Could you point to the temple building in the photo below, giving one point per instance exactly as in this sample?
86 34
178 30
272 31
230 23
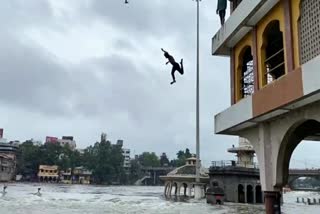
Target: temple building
180 181
239 179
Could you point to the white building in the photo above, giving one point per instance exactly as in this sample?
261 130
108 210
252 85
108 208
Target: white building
66 140
126 155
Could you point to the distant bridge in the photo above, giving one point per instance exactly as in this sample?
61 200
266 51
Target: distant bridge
153 174
295 174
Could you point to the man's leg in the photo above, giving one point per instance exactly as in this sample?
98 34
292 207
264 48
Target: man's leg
181 67
172 74
222 14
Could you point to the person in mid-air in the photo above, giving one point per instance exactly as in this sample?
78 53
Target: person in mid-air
4 191
175 65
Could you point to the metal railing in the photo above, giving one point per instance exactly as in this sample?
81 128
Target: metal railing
233 163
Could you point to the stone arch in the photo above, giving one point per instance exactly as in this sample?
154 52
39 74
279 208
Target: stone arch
241 194
250 194
245 74
295 134
292 179
272 52
258 192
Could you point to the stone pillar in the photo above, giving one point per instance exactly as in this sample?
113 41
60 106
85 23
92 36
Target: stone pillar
175 189
197 191
272 202
185 190
254 194
170 189
179 189
189 190
165 189
245 193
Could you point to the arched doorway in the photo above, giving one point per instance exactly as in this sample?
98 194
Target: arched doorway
258 195
273 52
249 194
246 74
241 197
301 130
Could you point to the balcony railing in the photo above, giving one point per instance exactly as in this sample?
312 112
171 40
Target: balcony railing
233 163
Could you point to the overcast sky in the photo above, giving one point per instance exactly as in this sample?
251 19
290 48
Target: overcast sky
82 67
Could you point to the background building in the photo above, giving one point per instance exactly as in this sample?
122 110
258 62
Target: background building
66 140
126 161
48 173
8 159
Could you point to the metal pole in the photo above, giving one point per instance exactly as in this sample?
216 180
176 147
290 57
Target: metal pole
197 108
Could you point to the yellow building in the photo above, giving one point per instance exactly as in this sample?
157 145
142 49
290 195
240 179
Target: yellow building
48 173
79 175
274 50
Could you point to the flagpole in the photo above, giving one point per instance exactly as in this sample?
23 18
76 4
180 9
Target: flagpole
197 105
198 191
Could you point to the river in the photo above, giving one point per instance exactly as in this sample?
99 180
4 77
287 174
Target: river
69 199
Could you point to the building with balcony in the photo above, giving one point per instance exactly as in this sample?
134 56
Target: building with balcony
126 160
79 175
48 173
8 161
82 175
274 48
7 168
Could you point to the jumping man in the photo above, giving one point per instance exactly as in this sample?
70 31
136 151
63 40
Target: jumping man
175 65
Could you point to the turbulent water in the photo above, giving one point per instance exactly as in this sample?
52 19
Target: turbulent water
65 199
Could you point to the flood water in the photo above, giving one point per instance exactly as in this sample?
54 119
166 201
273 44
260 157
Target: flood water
67 199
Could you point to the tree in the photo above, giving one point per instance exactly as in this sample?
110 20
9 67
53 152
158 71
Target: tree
181 158
105 161
135 171
28 159
149 159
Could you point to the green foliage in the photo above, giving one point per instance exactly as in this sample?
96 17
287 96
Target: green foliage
181 158
105 160
149 159
135 171
28 159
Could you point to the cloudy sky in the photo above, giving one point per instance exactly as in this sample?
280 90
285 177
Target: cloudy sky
82 67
